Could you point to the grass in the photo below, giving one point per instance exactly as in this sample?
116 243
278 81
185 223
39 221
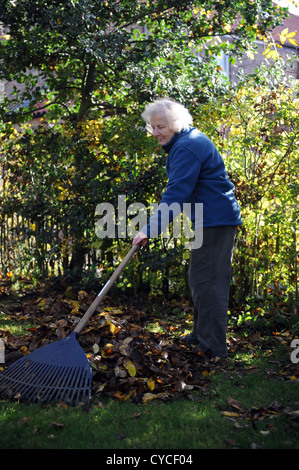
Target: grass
195 423
15 329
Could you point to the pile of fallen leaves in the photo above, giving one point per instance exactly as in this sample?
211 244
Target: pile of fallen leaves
133 354
128 361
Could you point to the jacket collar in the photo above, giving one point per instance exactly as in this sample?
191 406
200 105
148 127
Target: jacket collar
173 140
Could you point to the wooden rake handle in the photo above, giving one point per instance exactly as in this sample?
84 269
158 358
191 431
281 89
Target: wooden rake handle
84 320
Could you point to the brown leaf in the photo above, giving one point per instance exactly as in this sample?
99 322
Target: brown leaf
56 425
235 404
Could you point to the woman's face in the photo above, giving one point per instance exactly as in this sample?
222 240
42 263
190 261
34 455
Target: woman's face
161 129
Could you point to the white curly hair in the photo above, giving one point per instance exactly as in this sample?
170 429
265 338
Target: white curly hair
177 115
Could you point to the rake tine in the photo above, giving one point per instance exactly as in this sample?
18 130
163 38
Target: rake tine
60 386
60 370
46 389
19 386
75 385
85 389
54 390
45 383
74 388
81 389
66 387
13 382
38 380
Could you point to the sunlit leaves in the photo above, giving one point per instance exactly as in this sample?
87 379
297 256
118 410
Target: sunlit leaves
285 35
111 49
99 65
256 130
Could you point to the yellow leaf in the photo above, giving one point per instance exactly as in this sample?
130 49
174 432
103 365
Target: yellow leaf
272 54
250 55
24 350
230 414
76 306
292 34
112 327
294 42
151 396
42 303
148 397
130 368
114 310
101 387
206 373
151 384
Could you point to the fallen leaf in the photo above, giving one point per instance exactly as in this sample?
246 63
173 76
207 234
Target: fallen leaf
148 397
76 306
25 350
230 414
130 368
56 425
152 396
151 384
235 404
120 372
101 387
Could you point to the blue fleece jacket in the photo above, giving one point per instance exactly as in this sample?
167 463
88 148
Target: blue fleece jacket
197 174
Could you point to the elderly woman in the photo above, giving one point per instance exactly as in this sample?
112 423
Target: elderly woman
196 174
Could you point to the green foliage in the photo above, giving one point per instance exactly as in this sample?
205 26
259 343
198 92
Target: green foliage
120 54
256 128
92 65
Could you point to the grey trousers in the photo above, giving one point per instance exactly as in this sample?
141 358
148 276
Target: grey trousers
209 281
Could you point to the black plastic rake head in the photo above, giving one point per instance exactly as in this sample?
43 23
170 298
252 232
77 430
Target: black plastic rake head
59 371
56 372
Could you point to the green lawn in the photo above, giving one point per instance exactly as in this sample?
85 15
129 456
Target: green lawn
249 402
237 411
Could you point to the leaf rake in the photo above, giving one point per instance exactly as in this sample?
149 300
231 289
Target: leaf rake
59 371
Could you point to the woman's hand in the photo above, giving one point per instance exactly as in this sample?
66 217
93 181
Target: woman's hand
140 238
